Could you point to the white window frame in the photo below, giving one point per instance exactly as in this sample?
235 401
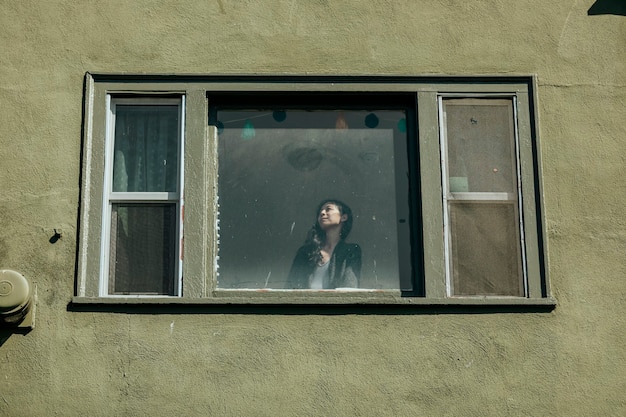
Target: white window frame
479 196
197 282
110 197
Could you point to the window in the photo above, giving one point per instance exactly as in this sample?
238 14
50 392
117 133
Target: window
280 157
142 199
310 190
481 194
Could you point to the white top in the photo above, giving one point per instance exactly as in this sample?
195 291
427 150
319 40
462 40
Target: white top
319 279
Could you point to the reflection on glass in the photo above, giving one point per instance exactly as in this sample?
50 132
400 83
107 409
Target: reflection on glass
270 184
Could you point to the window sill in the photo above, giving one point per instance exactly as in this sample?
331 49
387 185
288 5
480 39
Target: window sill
317 298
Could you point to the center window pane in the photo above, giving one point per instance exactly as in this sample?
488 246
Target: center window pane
276 169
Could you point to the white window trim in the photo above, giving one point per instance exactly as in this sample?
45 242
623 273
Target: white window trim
109 197
492 197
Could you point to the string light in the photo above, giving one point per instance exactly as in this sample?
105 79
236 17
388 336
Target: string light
341 123
248 131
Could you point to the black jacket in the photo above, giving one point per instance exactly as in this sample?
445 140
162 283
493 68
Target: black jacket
344 268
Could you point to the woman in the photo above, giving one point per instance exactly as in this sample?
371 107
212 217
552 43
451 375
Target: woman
326 261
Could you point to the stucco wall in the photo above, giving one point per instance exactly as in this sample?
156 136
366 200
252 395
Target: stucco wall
567 362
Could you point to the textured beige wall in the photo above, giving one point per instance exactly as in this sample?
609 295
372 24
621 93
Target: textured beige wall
568 362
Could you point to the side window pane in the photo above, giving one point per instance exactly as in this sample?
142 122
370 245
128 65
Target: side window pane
143 243
143 198
277 166
146 148
482 198
480 146
485 249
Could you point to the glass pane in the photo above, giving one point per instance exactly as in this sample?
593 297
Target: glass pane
146 148
143 249
481 146
485 249
277 166
485 254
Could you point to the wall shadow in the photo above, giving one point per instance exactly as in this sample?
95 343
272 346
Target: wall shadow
4 336
616 7
7 332
306 309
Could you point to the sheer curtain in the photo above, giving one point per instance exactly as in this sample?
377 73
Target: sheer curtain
146 149
143 234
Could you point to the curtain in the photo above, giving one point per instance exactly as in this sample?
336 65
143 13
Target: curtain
143 235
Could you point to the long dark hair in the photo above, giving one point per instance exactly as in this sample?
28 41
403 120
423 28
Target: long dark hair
316 238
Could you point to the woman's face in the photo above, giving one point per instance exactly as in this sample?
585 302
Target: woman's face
330 216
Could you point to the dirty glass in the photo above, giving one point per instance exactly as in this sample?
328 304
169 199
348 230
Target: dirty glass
482 198
277 164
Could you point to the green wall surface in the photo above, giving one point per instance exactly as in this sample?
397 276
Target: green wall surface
569 361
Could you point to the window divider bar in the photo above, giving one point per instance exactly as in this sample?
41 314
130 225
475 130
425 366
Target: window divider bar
431 192
479 196
143 197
